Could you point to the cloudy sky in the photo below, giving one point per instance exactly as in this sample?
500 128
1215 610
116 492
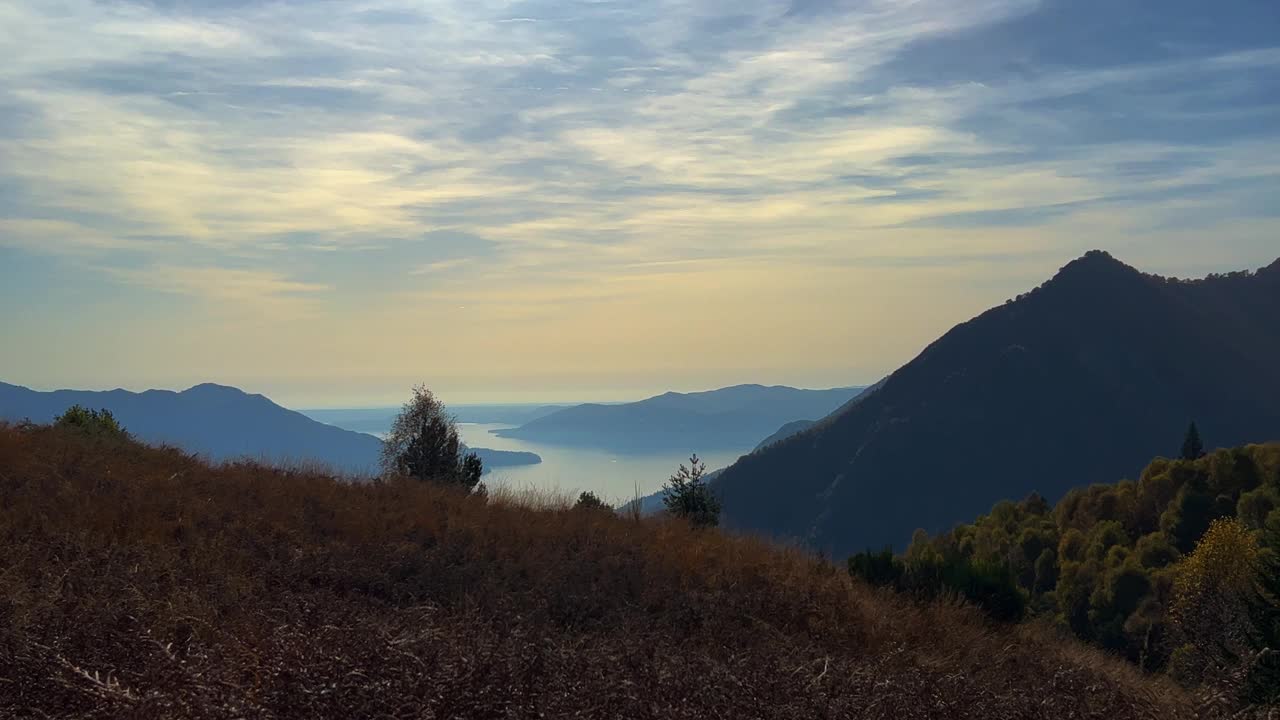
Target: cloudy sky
328 201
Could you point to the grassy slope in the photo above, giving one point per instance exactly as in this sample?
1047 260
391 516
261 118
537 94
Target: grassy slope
136 582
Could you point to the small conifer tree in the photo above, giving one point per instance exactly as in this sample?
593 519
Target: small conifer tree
590 501
1192 446
687 495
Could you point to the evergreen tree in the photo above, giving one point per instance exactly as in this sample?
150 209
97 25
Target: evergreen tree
590 501
423 444
1188 516
880 569
687 495
1192 447
471 470
93 422
1262 684
432 451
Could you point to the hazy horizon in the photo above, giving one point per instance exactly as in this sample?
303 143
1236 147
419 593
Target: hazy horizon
393 399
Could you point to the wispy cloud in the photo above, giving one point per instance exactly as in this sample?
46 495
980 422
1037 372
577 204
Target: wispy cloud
253 292
441 266
561 151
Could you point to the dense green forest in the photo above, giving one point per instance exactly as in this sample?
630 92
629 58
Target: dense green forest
1162 571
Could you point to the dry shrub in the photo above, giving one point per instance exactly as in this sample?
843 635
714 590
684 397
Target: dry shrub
141 583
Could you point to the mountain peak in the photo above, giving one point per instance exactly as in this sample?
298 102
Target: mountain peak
1096 261
1103 358
214 388
1091 271
213 392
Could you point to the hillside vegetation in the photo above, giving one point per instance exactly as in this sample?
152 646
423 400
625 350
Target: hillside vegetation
141 583
1083 380
1160 571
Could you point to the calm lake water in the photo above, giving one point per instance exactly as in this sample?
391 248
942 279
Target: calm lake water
612 476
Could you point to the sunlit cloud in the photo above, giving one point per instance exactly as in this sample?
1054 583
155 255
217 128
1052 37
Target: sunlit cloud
579 168
258 293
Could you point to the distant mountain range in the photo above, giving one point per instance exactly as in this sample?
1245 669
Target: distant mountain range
222 423
728 417
376 421
1082 380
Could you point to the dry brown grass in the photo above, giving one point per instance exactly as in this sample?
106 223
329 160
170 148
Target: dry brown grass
139 583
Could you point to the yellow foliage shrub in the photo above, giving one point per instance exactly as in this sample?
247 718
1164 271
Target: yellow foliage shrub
1221 566
1210 591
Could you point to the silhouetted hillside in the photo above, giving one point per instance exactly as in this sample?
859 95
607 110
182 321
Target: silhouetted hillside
786 431
1080 381
139 583
222 423
733 416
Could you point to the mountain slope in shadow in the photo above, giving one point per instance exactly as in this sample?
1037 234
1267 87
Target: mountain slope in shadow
1082 380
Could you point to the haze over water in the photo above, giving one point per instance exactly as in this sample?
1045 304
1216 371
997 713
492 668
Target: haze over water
611 475
614 475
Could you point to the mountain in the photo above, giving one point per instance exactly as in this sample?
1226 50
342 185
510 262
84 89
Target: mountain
378 420
653 502
222 423
502 414
1082 380
792 428
738 415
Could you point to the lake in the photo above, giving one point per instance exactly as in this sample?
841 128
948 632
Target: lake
612 476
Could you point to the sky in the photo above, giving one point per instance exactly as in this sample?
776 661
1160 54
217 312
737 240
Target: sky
552 200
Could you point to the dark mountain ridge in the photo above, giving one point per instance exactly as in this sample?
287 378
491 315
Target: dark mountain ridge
1083 379
792 428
